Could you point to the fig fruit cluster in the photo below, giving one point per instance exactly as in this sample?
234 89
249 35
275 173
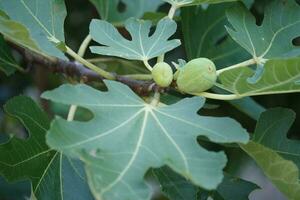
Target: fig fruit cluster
197 76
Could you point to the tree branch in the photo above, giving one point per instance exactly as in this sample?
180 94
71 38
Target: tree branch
75 69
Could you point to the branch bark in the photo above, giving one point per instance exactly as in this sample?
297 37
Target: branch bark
75 69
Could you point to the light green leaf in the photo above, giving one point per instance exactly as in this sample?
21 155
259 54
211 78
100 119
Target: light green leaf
271 131
141 46
17 33
43 19
108 9
7 62
273 39
178 188
280 76
283 173
181 3
49 171
127 136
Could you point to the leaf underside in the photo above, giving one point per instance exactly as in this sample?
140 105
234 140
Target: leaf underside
126 137
141 46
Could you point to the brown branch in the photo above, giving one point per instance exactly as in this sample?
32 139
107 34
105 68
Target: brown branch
75 69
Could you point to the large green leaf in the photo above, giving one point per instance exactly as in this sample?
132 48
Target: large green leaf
272 129
280 76
128 136
283 173
270 147
176 187
181 3
141 46
108 9
208 37
43 18
273 39
53 175
7 62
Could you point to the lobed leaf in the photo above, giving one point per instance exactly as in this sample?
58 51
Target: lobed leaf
126 137
283 173
272 39
271 131
53 175
274 152
141 46
280 76
44 20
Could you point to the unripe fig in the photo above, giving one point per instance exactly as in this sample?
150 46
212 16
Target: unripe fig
197 76
162 74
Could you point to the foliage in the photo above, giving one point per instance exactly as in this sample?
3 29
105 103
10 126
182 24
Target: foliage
132 126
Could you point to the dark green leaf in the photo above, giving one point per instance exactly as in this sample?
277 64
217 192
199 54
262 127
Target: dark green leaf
273 39
274 153
7 62
271 131
53 176
109 9
178 188
205 35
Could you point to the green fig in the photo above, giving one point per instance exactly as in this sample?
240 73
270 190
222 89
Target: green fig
162 74
196 76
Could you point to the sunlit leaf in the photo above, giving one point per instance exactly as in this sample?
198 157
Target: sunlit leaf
44 20
279 76
127 136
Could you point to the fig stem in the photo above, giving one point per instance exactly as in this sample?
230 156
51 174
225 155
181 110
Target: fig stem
84 45
148 66
226 97
156 99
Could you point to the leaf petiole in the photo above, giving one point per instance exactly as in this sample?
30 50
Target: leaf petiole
91 66
225 97
84 45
